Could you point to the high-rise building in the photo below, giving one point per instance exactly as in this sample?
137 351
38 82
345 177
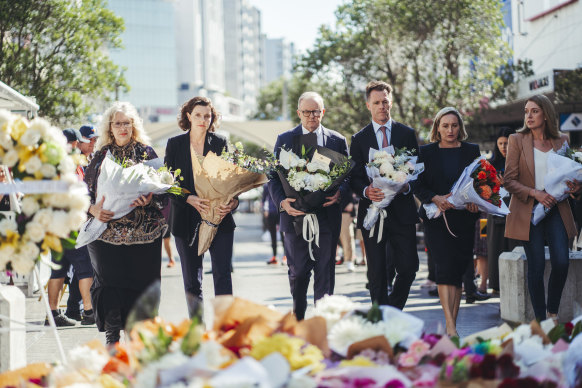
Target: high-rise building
148 56
243 45
279 59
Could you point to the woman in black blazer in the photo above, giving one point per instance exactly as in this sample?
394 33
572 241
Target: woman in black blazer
199 118
444 161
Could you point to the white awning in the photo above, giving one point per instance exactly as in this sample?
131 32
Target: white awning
13 101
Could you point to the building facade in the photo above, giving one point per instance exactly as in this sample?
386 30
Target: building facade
279 59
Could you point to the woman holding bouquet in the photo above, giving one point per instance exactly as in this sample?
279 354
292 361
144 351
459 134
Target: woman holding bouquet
198 119
525 169
444 159
127 257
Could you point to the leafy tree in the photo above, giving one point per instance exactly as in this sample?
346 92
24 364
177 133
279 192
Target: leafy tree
568 86
56 51
434 54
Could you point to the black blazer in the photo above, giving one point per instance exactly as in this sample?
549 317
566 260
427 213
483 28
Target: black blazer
433 180
184 218
402 209
329 217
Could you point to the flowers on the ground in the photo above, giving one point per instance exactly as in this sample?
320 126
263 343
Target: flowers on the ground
486 182
55 202
295 350
333 307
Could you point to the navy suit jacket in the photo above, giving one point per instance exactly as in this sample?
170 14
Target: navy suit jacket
402 209
184 218
329 217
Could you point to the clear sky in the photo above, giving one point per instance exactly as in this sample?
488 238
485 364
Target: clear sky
296 20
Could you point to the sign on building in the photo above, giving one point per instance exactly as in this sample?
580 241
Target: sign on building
570 122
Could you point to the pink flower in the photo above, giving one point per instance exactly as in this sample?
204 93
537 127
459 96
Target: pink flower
408 359
419 348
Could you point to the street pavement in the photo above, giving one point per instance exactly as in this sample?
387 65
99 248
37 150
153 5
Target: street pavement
253 279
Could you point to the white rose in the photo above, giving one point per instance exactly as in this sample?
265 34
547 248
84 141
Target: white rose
67 166
57 224
312 167
21 264
7 225
400 159
399 177
79 201
32 165
40 125
35 231
167 178
29 205
76 219
301 163
6 253
380 155
56 200
319 181
48 170
5 118
6 141
386 169
404 168
29 251
10 158
43 217
30 138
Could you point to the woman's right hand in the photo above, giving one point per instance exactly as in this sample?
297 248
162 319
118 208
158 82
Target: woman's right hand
545 199
442 203
99 213
202 205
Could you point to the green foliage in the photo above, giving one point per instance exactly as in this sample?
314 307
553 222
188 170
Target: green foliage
433 56
56 51
568 86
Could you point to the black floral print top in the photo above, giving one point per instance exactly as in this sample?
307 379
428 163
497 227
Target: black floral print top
142 225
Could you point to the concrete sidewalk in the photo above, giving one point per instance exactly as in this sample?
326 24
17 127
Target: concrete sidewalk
253 279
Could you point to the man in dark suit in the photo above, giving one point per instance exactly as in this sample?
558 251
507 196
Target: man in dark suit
310 110
399 231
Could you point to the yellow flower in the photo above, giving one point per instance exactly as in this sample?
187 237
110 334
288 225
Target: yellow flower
12 238
52 242
18 128
358 361
293 349
107 381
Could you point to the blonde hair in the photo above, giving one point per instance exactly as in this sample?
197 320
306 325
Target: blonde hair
435 136
138 132
551 119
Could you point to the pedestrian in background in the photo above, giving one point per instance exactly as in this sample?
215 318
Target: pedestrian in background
271 221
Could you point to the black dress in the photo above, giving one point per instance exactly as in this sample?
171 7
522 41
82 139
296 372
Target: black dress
452 255
127 257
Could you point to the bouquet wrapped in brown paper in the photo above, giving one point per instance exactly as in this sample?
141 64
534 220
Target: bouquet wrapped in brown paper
219 181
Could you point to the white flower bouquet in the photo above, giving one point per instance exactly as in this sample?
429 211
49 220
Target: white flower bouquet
390 170
120 184
559 170
55 202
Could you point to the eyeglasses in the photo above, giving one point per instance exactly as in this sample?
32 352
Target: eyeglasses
119 124
308 113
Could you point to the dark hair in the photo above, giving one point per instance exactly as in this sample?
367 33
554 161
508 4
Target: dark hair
189 106
377 85
498 160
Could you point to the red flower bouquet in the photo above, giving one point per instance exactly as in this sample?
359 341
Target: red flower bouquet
486 182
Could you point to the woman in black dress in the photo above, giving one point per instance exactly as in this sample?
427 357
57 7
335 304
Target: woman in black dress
199 119
127 257
444 161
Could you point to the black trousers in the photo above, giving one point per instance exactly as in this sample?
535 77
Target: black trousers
301 265
221 258
398 246
271 222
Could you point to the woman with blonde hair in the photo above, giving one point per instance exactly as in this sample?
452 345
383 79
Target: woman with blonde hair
127 257
444 159
525 169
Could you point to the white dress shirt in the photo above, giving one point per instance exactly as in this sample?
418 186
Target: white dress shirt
318 132
380 135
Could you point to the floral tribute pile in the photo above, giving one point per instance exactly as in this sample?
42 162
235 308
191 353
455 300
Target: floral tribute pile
253 346
55 201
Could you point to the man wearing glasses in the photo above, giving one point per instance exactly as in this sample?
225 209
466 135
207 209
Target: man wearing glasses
398 243
310 110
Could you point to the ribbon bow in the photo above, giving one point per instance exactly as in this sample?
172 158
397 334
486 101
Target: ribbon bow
311 231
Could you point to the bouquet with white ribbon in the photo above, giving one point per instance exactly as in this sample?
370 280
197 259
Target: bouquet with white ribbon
477 184
389 170
559 170
121 186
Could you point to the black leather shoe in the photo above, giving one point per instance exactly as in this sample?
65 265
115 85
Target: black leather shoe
476 296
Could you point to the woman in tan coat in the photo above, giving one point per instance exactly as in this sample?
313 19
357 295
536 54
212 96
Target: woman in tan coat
525 168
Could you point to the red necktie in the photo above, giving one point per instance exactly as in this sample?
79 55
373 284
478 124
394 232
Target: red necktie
385 137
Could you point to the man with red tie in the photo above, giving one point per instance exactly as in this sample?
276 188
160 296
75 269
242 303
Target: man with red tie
399 230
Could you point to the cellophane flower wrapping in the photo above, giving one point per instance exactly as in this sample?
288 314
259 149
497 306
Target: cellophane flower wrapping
121 186
559 170
309 179
390 170
465 192
219 180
